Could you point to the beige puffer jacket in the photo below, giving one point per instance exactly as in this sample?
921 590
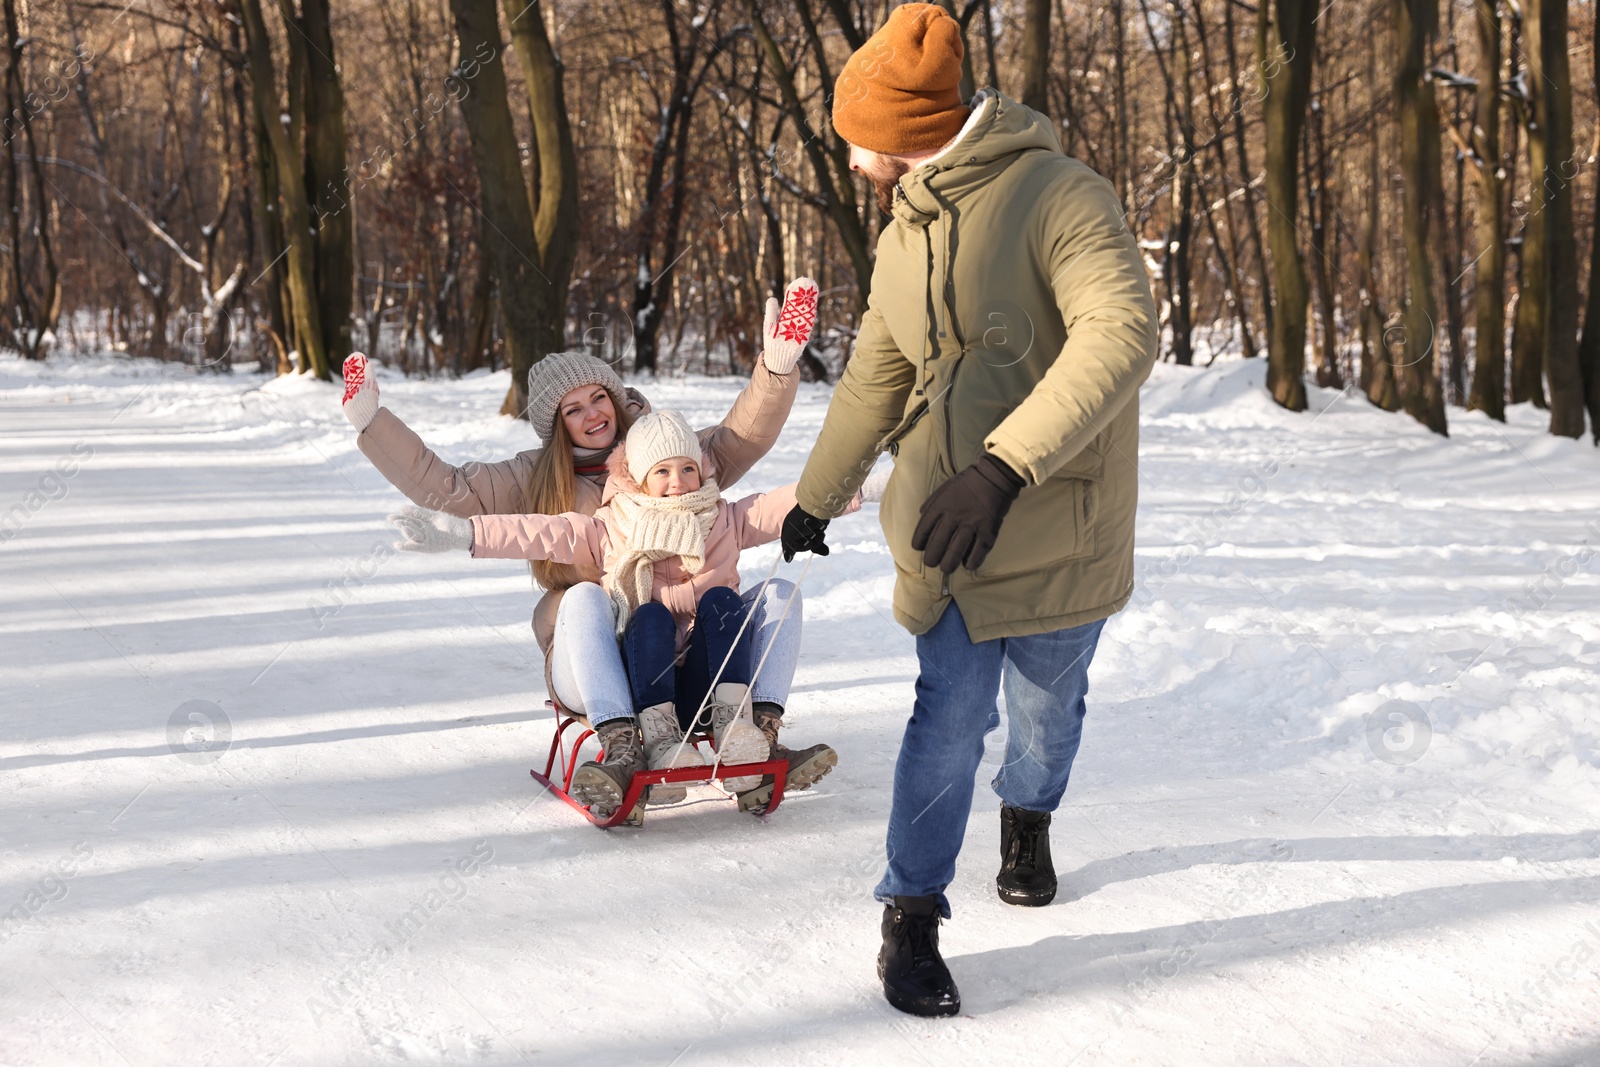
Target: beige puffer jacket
734 445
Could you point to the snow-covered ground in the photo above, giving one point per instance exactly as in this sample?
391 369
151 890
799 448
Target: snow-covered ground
1336 804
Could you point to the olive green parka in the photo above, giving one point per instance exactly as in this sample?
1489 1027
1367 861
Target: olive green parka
1010 312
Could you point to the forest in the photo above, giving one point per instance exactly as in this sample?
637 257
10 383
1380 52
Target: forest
1395 197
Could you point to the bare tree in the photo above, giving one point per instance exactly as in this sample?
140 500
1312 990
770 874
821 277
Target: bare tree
1548 18
30 290
1533 277
534 232
282 122
1285 50
1420 395
1036 55
1489 331
1589 349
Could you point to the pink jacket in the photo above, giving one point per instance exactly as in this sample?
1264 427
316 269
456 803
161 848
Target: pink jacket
594 542
743 436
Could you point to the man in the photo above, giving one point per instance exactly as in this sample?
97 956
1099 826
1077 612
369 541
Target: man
999 360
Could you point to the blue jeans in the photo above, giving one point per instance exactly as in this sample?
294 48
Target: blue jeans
650 651
1045 677
586 669
775 638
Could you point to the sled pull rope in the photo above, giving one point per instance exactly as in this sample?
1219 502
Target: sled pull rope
694 723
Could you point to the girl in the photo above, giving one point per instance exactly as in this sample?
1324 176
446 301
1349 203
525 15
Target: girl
580 409
668 546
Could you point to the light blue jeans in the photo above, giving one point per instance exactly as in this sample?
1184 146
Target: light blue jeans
1045 677
586 660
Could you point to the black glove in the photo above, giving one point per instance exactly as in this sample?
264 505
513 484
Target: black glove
802 532
961 519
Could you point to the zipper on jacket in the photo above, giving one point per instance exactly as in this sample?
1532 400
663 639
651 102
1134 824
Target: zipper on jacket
892 442
949 427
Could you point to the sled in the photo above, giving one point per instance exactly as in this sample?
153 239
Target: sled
633 801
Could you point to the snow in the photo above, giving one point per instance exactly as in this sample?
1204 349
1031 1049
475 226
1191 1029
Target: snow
1336 802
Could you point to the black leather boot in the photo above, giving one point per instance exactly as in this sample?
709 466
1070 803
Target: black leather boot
915 979
1026 876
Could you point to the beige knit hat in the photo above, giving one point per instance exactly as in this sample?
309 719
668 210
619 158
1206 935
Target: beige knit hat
657 436
558 374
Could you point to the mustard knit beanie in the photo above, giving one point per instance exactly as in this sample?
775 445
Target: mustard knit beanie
657 436
899 94
558 374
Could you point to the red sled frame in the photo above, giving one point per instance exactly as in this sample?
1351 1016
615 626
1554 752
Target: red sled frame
777 768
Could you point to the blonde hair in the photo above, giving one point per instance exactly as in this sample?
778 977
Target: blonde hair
552 488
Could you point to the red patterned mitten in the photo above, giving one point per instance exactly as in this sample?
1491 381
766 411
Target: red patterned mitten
360 392
787 329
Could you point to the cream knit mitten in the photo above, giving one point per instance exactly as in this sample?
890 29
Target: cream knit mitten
431 531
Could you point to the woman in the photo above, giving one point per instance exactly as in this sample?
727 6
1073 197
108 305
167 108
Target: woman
580 410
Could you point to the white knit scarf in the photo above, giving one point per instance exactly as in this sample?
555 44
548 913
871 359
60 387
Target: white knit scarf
655 528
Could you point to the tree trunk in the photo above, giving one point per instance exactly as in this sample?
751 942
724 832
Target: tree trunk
555 194
1180 233
1450 234
269 217
1226 236
1036 55
1285 47
532 298
1246 178
30 298
1319 193
1377 367
1533 288
1561 249
1489 287
1589 350
327 187
304 307
1418 109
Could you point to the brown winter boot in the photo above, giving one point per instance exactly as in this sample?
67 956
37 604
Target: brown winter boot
602 786
807 766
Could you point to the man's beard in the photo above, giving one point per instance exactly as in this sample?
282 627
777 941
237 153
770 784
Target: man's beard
885 176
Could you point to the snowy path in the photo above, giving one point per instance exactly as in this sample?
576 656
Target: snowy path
1244 880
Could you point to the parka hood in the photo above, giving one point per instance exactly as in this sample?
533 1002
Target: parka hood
997 132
